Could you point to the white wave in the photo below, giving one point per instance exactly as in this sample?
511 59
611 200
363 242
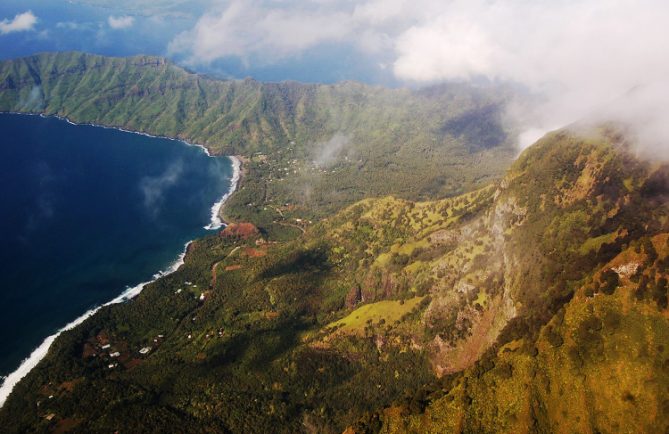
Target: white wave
216 221
10 381
40 352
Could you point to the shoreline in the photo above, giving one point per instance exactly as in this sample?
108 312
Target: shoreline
30 362
107 127
8 382
216 219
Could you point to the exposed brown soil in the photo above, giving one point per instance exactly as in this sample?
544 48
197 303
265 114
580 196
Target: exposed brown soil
66 425
232 267
132 363
69 386
103 338
240 230
88 351
271 315
254 253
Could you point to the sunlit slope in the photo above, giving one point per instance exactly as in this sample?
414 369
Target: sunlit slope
584 255
535 304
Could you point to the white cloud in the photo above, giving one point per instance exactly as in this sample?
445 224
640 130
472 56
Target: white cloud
248 28
154 188
581 56
578 54
21 23
451 48
326 153
119 23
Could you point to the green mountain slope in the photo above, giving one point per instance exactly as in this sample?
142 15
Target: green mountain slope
585 348
600 365
536 304
315 147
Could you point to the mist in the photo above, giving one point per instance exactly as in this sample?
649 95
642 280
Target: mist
327 153
580 60
153 188
577 58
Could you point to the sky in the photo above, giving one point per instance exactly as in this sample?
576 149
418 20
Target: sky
581 57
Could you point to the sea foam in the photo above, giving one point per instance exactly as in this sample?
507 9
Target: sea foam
40 352
216 222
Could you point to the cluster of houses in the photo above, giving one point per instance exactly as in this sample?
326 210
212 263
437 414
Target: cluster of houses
116 354
188 283
220 333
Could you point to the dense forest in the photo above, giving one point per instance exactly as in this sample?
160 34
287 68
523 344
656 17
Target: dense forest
532 302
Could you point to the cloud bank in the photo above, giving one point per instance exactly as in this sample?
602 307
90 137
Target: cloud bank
247 28
120 23
580 56
21 23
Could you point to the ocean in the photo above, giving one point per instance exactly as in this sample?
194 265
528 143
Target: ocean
88 213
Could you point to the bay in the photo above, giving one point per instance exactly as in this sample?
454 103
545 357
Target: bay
86 212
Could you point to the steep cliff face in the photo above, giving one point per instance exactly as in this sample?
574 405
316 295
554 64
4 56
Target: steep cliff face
507 257
153 95
599 365
579 223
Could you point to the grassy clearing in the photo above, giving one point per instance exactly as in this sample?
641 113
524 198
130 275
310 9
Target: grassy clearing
593 244
388 310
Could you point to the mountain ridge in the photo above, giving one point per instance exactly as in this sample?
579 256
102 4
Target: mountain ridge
299 140
534 301
452 315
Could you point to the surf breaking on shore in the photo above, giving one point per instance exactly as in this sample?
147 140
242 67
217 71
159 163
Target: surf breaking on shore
40 352
216 221
28 364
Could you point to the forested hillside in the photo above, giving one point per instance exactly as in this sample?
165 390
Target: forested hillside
314 147
535 304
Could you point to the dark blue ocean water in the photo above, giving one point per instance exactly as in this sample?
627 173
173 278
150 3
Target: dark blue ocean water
86 211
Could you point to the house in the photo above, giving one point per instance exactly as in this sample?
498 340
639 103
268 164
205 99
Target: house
145 350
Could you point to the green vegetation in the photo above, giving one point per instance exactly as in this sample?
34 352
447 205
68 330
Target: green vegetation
598 366
381 312
537 303
310 149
